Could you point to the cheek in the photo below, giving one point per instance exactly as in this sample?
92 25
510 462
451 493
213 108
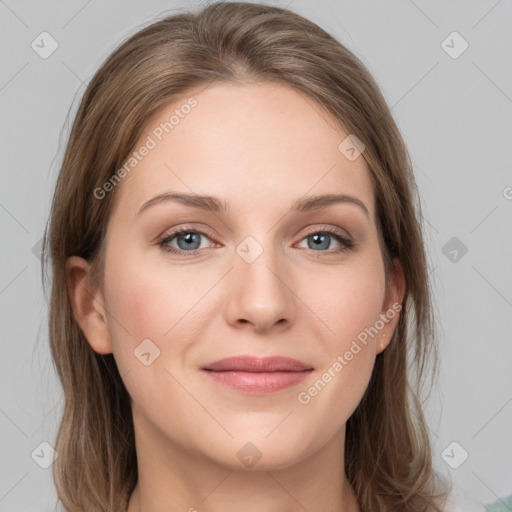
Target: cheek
349 303
338 386
151 311
138 309
349 300
164 305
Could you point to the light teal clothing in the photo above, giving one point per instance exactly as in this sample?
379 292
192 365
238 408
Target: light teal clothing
502 505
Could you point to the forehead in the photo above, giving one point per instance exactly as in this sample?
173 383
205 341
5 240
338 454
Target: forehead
256 146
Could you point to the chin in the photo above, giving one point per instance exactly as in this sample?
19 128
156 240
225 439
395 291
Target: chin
261 452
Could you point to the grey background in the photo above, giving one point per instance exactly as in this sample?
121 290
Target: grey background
456 117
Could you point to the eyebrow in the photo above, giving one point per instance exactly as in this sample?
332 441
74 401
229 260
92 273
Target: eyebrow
211 203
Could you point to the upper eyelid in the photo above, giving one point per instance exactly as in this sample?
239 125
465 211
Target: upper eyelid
175 232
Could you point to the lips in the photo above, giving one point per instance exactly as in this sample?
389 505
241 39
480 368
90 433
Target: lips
258 365
258 375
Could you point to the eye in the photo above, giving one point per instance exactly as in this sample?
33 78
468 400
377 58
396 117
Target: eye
188 241
323 240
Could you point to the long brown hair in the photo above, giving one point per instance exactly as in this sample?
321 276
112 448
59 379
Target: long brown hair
388 457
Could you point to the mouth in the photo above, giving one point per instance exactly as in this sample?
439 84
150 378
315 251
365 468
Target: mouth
258 375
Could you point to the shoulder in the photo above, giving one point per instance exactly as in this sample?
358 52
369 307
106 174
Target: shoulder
459 502
459 507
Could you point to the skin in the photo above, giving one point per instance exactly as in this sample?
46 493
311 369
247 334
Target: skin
259 148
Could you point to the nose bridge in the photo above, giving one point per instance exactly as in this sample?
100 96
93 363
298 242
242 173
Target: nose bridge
259 290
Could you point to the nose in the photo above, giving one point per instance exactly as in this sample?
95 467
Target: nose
260 294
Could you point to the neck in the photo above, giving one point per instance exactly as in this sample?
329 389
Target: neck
174 478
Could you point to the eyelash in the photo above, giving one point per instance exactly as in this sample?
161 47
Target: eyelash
346 243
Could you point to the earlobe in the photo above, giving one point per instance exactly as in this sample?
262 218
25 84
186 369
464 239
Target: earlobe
395 292
88 305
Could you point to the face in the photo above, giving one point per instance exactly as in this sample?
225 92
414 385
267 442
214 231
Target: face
260 270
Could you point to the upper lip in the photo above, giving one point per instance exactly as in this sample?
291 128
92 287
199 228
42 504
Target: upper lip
258 364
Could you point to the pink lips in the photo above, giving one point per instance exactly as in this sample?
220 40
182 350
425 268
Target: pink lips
258 375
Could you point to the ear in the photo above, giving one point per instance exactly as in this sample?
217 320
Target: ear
88 305
395 292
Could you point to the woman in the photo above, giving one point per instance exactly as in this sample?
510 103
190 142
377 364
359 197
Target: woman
239 279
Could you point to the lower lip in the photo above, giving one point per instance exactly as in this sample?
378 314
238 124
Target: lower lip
258 382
